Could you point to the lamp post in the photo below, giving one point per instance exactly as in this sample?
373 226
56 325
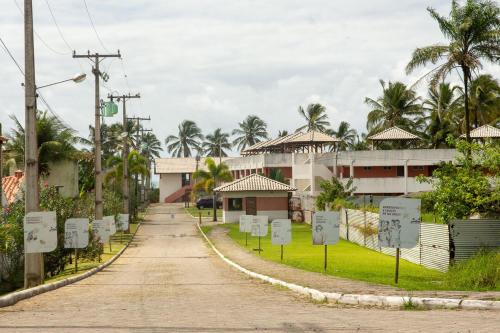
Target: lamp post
77 78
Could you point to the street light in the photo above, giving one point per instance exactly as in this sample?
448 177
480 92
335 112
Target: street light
77 78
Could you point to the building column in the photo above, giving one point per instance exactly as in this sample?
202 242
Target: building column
406 176
335 166
351 169
311 161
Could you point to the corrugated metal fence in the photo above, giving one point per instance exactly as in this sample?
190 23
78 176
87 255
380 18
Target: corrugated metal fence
468 236
432 251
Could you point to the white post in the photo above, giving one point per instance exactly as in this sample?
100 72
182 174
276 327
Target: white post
351 169
311 161
406 176
292 181
335 165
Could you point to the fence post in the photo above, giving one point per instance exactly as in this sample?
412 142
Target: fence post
347 222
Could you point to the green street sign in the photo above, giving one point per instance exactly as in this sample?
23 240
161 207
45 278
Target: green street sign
110 109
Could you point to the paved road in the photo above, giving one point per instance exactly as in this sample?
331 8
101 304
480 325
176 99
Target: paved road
170 281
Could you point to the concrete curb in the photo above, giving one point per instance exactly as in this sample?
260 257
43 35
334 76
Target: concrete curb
365 300
14 297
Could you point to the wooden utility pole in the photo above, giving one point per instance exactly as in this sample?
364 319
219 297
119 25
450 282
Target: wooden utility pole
96 58
33 262
125 151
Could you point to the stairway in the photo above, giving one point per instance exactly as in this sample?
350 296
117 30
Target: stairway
178 195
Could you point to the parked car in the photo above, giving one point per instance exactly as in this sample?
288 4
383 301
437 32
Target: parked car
207 203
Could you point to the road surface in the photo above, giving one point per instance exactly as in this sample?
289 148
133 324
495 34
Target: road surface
168 280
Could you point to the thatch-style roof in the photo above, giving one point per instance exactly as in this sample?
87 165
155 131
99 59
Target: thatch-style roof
255 182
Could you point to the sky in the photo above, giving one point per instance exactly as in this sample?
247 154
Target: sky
215 62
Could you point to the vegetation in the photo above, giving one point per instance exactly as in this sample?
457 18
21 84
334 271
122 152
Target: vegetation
315 117
332 191
480 272
150 148
187 139
215 143
205 212
251 131
345 133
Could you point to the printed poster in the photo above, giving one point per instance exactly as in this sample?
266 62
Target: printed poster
40 232
325 228
399 225
76 233
281 232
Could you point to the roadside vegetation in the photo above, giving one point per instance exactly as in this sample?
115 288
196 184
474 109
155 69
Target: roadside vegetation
205 212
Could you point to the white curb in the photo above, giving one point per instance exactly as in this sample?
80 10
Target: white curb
365 300
14 297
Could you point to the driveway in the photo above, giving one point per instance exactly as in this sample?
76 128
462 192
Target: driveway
168 280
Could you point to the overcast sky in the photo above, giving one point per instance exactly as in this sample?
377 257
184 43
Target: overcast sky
215 62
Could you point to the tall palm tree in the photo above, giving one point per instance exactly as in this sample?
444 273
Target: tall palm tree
215 144
250 131
345 133
55 141
398 106
485 100
360 142
472 31
282 133
137 165
211 178
315 117
189 137
150 148
443 113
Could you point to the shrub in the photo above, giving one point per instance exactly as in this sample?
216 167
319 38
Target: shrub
480 272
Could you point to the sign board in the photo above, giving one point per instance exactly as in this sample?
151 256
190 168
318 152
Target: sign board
399 225
281 232
246 223
123 221
325 228
112 224
258 227
76 233
40 232
101 230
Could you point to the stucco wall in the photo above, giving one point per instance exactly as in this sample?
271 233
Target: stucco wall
65 174
169 183
272 204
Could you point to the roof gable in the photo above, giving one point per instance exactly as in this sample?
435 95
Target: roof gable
485 131
255 182
394 133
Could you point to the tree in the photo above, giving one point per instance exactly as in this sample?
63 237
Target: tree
277 175
472 31
360 143
345 133
215 143
150 148
398 106
188 138
333 191
282 133
485 100
442 109
137 165
208 179
55 141
315 117
251 131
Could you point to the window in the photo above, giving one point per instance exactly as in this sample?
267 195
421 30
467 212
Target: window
418 167
235 204
400 171
367 168
387 167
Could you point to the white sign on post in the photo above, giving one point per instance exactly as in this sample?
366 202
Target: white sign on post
246 223
258 227
399 225
112 224
325 228
101 230
281 232
40 232
124 221
76 233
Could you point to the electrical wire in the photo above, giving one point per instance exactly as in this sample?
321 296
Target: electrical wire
57 26
93 26
11 56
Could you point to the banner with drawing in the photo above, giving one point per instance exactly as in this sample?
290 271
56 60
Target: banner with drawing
76 233
399 225
40 232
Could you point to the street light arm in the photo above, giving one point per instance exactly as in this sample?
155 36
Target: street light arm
53 84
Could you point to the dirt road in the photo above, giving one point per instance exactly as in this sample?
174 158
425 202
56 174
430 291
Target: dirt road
168 280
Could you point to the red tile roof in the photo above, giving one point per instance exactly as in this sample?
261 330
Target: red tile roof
11 186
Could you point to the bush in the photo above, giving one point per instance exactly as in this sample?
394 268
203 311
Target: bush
480 272
11 247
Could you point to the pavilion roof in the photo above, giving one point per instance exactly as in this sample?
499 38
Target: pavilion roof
255 182
485 131
394 133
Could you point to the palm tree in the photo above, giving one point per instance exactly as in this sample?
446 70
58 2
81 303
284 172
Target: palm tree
443 117
315 116
56 142
210 178
484 94
150 148
344 133
215 144
360 143
472 31
137 165
252 130
398 106
282 133
188 138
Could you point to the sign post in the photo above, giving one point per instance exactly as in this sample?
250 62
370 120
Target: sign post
325 231
259 228
245 226
40 232
101 231
281 233
399 225
76 236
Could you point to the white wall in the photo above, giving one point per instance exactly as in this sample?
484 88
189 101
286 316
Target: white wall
65 174
169 183
388 185
234 216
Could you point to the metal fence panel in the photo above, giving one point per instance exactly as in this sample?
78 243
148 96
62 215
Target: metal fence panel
471 235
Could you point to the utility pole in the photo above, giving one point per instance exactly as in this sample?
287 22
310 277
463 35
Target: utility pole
125 152
137 142
33 262
96 58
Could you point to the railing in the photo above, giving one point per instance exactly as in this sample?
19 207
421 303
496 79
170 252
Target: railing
178 194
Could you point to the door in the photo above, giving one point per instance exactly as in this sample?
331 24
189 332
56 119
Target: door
251 206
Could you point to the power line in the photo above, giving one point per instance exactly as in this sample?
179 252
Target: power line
11 56
57 26
93 26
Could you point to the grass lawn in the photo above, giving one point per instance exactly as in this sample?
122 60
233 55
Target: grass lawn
345 259
118 242
205 212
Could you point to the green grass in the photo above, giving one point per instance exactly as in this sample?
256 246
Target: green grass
118 242
481 271
205 212
345 259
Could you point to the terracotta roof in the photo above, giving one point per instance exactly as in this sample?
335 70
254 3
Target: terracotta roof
11 186
181 164
394 133
3 139
314 137
485 131
255 182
